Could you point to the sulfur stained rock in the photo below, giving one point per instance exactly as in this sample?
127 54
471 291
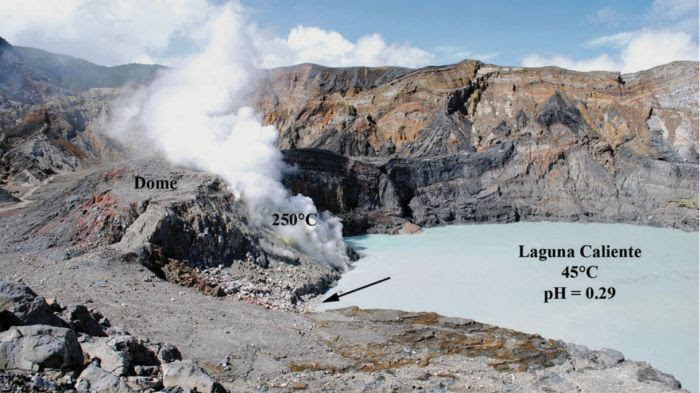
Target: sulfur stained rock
408 228
595 146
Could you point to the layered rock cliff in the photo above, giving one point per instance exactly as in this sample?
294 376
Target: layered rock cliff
472 142
52 109
468 142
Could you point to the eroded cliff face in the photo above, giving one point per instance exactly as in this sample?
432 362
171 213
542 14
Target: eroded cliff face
470 106
467 142
53 113
428 145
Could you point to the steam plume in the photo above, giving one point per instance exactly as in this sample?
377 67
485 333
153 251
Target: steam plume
194 115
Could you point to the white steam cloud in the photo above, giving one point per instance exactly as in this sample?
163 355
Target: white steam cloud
194 115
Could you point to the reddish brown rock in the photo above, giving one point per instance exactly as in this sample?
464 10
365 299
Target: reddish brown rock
408 228
472 142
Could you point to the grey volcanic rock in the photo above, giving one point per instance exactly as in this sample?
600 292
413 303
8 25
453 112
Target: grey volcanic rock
40 140
84 321
120 354
109 358
50 106
168 353
39 347
595 146
11 381
41 358
6 198
19 305
94 379
495 185
377 196
189 377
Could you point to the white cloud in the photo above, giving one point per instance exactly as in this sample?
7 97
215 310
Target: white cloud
652 47
113 32
104 31
599 63
618 40
635 51
306 44
670 35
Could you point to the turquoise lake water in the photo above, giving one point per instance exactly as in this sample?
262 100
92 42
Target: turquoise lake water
473 271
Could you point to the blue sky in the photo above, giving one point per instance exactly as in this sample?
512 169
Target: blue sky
503 32
583 35
450 28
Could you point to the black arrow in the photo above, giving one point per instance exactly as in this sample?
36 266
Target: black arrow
335 297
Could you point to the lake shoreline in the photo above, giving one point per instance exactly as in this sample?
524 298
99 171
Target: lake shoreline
656 244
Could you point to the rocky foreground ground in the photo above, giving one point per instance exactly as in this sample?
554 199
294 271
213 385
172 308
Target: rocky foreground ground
236 346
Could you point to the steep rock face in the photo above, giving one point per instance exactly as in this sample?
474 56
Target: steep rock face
56 136
51 106
491 186
379 196
582 146
593 146
471 106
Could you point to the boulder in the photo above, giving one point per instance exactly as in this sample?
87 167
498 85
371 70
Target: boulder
39 347
409 228
141 383
119 354
110 359
189 376
85 321
168 353
19 305
96 380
